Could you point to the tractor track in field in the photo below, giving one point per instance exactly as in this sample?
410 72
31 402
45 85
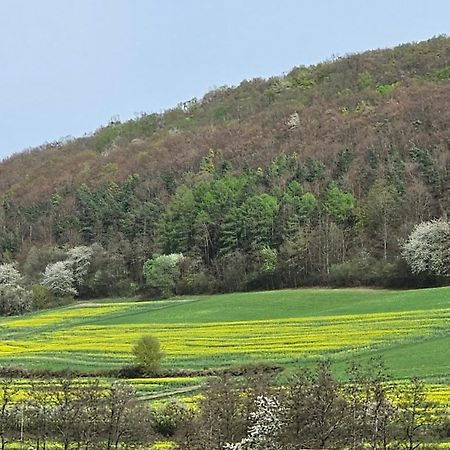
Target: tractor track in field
158 395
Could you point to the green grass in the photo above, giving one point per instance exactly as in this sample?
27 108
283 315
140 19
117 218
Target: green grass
410 329
291 304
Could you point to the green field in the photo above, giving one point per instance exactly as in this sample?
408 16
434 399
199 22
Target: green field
411 329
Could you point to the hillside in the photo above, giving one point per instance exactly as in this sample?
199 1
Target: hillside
311 177
409 329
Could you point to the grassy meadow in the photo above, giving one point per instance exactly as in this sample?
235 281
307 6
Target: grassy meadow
410 329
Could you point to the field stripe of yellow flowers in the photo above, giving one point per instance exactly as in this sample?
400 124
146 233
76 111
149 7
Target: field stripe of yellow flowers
73 336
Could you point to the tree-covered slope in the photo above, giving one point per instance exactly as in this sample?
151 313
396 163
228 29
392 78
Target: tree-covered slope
270 183
405 87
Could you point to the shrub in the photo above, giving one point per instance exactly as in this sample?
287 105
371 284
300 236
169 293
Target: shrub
168 418
42 297
163 272
148 354
369 271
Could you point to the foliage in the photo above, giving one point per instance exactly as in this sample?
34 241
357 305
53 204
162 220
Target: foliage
380 214
269 260
107 274
14 298
443 73
253 166
36 260
59 279
163 272
42 298
170 417
386 89
367 271
79 259
313 409
413 413
311 406
267 422
428 248
258 215
365 80
70 413
9 275
338 204
148 354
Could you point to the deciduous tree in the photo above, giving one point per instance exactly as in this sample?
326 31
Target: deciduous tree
427 248
148 355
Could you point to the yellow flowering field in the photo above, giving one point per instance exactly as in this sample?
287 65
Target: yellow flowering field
410 328
53 317
161 388
163 445
438 394
164 384
213 342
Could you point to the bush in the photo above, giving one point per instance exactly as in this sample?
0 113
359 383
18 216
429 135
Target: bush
369 271
42 297
106 275
148 354
234 268
168 418
163 272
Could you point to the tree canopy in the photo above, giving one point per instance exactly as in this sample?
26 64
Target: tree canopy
427 248
148 355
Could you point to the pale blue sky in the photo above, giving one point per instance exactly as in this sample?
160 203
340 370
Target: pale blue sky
68 66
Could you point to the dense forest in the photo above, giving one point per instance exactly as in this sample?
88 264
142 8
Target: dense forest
313 177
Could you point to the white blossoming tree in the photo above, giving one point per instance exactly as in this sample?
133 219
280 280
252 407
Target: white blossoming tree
58 278
79 259
14 298
9 275
427 249
267 423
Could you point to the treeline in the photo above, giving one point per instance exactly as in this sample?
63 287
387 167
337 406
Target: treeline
69 413
288 225
315 177
312 409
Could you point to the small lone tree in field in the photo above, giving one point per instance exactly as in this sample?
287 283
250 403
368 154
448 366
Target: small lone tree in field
148 354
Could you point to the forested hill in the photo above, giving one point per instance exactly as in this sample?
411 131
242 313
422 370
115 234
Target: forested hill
300 178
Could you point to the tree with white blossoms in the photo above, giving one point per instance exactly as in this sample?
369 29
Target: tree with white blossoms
79 259
9 275
427 249
14 298
58 278
267 423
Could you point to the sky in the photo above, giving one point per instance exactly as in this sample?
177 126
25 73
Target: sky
68 66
